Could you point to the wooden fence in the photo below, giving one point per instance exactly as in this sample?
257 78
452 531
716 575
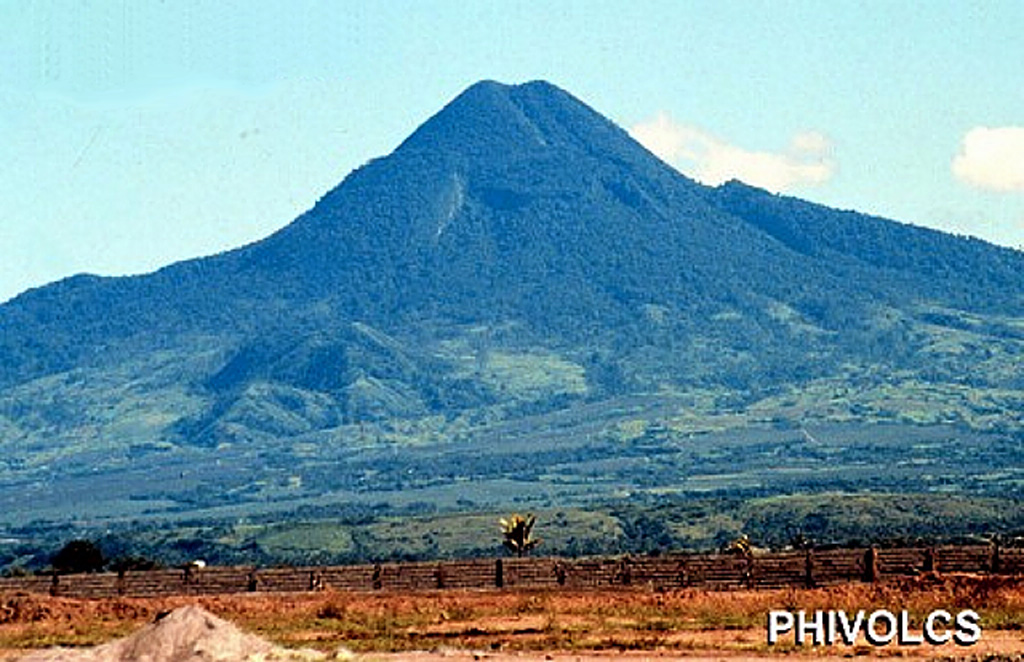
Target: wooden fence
672 571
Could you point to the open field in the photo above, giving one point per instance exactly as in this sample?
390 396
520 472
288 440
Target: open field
660 492
530 624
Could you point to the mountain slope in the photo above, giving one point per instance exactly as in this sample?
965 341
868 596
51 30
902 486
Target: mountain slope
907 261
515 202
517 255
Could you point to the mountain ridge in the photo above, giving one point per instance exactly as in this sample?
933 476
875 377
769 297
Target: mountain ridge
392 221
517 258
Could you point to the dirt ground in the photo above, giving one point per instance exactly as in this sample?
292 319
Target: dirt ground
502 626
730 647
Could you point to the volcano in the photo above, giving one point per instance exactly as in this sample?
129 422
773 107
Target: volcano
518 257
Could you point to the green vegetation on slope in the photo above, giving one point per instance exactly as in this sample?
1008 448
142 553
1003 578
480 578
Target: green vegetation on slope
520 306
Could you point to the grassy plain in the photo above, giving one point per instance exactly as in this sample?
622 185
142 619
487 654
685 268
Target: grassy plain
687 623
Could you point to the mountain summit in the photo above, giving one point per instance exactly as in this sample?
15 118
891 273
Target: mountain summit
491 121
499 192
517 254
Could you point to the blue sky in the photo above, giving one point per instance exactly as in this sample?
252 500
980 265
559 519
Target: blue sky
135 134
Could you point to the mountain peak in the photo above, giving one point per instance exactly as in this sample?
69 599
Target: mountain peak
492 119
485 118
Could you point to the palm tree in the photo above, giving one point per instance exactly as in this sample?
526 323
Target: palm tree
516 530
740 546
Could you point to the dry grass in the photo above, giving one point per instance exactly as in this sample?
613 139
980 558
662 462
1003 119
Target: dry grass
688 620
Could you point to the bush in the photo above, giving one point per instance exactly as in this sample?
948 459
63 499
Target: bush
78 556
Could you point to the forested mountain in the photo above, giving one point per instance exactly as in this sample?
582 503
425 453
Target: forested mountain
519 255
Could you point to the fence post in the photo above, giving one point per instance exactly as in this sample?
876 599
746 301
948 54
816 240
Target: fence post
871 565
683 573
560 572
930 564
625 574
499 574
187 579
809 569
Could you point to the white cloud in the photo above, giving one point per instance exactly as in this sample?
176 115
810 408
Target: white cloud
807 161
992 158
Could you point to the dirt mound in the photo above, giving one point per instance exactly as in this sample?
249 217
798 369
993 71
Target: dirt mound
187 634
